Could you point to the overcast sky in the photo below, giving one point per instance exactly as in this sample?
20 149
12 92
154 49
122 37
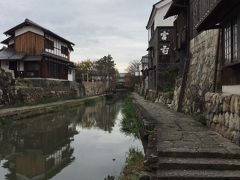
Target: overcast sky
97 27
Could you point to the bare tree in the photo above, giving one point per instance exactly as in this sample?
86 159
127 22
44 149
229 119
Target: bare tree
134 67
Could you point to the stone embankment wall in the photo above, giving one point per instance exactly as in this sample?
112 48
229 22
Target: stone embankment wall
7 92
203 50
159 97
176 94
165 98
29 90
223 114
94 88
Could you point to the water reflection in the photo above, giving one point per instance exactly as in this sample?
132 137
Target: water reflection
41 147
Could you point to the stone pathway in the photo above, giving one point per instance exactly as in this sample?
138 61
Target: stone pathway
188 150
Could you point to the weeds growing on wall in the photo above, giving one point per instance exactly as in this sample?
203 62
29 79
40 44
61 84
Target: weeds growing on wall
130 124
134 165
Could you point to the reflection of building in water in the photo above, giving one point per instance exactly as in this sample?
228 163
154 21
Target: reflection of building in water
38 149
100 115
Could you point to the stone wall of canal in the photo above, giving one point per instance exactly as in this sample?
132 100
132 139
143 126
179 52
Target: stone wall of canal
223 114
14 91
200 79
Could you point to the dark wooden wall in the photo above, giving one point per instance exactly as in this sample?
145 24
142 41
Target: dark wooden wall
29 43
51 69
198 11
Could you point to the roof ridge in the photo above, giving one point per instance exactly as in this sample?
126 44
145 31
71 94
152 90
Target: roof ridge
30 22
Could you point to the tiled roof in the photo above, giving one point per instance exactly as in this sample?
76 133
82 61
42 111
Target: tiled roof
10 54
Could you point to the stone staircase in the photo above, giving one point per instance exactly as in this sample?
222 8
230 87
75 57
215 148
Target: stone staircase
179 148
197 166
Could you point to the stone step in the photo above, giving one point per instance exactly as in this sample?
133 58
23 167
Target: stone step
197 175
198 163
198 154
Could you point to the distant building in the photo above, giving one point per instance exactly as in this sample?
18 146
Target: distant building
35 52
121 82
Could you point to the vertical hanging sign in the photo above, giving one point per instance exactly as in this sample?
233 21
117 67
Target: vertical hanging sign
165 34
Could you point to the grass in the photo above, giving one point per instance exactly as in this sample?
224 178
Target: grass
130 124
134 165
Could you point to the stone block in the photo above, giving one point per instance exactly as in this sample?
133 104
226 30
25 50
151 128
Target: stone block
232 103
221 119
215 118
227 116
231 122
237 122
226 102
236 104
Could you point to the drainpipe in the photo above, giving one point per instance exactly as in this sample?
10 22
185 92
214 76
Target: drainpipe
157 62
215 88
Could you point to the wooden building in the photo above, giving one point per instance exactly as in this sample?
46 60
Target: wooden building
194 17
225 15
160 54
195 49
35 52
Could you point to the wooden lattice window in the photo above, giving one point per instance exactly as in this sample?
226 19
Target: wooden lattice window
231 51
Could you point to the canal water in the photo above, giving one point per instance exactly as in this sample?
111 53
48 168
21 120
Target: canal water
85 143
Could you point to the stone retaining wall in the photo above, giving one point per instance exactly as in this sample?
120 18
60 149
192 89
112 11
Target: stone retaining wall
7 93
165 98
94 88
176 94
223 114
151 95
29 90
200 79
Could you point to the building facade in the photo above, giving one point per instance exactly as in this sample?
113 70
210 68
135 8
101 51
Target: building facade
33 51
160 54
198 52
226 17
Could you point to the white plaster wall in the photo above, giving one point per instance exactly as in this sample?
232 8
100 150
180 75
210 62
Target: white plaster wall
57 47
158 16
71 76
160 13
27 29
233 89
11 42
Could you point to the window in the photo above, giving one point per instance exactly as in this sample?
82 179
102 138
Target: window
64 50
49 44
231 42
235 40
227 40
